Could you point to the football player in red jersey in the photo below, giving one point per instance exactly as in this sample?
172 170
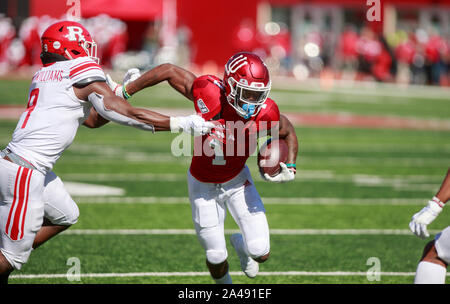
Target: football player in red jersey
218 177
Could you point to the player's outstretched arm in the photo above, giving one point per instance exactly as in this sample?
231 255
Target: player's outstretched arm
179 78
444 192
430 212
116 109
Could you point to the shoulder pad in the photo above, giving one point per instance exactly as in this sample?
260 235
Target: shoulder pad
207 91
269 111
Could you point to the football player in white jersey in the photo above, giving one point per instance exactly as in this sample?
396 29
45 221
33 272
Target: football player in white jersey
432 267
69 90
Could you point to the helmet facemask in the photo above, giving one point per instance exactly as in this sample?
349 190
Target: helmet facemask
90 47
91 50
247 99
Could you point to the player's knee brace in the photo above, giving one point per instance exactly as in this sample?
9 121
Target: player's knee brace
258 247
216 256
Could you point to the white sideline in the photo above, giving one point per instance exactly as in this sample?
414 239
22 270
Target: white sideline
204 273
405 232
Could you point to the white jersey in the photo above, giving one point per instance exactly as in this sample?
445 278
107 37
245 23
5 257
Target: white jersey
54 113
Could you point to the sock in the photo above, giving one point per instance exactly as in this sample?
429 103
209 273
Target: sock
226 279
241 247
430 273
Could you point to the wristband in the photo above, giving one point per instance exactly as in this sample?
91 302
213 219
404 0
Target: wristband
293 167
438 201
125 93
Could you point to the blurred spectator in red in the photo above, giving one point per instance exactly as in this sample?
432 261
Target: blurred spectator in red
383 64
7 34
31 40
436 51
347 51
375 57
405 52
369 48
30 33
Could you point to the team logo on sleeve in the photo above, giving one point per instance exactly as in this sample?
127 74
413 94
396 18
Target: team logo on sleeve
202 106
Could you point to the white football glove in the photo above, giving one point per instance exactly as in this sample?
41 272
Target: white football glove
192 124
285 175
424 217
118 89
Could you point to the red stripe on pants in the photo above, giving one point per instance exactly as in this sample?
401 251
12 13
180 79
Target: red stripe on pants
26 206
20 193
11 210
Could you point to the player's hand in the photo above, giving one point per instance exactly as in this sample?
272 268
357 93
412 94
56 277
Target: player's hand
192 124
119 89
424 217
286 174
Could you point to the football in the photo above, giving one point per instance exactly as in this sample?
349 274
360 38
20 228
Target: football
271 153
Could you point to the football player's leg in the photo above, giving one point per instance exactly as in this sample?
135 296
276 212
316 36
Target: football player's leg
21 214
211 236
208 217
248 211
5 269
60 211
246 207
432 267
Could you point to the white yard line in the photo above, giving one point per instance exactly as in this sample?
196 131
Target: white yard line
204 273
404 232
266 200
303 174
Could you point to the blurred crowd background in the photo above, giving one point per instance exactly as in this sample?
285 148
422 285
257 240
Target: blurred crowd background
325 39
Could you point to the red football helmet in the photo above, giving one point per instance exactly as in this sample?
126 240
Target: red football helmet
247 83
69 39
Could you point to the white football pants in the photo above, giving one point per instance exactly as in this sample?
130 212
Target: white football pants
26 196
21 210
209 202
442 244
59 207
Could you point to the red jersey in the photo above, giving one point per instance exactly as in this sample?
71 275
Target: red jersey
236 143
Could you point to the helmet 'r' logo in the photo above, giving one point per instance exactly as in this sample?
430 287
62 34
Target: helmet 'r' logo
75 31
236 64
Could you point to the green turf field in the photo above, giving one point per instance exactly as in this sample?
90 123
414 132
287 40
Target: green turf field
355 192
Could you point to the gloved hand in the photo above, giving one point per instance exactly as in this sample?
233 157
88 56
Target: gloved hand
424 217
119 89
192 124
286 174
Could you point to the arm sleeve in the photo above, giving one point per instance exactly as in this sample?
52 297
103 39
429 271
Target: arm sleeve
97 101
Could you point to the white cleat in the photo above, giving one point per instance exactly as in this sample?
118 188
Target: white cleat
249 266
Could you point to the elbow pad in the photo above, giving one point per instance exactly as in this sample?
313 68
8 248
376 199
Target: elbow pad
97 101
